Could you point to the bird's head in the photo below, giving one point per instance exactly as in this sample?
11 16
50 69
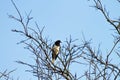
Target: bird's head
58 42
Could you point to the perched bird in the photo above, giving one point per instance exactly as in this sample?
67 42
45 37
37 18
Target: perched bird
55 50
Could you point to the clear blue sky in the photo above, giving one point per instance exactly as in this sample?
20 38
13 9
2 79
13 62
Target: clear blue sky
61 19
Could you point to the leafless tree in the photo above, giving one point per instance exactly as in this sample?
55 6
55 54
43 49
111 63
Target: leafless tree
6 75
99 67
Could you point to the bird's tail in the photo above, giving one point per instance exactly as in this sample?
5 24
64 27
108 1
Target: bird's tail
53 60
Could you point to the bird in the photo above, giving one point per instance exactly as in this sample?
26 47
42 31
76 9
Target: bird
55 50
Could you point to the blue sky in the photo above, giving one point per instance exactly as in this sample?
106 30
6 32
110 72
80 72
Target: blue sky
61 19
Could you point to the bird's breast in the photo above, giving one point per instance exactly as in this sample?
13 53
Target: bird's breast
56 49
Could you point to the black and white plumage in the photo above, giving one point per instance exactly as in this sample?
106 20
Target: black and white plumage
55 50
